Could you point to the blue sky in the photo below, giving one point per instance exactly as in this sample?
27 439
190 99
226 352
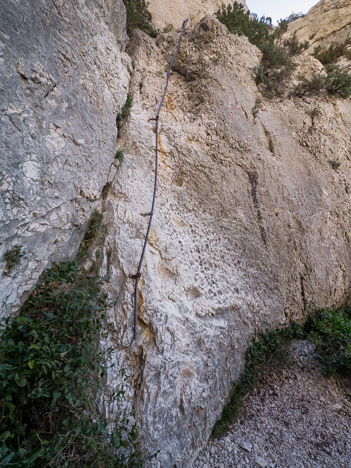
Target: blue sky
277 9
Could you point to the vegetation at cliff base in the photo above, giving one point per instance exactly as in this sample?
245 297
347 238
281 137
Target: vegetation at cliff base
329 329
53 392
266 351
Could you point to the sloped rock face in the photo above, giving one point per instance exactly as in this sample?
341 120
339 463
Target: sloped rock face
326 23
63 79
251 226
171 14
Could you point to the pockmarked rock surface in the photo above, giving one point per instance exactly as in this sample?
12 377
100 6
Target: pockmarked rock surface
171 14
328 22
251 226
63 78
297 417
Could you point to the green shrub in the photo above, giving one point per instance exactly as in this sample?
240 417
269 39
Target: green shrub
138 16
238 21
335 83
293 46
12 258
119 155
52 376
334 164
334 51
276 65
338 82
274 56
121 116
313 86
267 351
94 230
331 331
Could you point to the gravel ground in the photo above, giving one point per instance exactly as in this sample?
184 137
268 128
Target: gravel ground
296 418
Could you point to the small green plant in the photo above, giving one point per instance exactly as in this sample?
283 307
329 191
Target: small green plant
313 86
293 46
338 82
121 116
93 231
13 258
138 16
119 156
315 112
334 51
267 351
334 164
335 82
330 330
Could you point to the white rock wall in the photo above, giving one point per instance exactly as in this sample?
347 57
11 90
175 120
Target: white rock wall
252 225
171 14
63 78
328 22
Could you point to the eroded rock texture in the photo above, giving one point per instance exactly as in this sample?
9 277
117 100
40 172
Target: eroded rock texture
251 226
326 23
63 78
171 14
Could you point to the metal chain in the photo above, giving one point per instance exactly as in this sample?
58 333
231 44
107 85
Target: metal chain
137 276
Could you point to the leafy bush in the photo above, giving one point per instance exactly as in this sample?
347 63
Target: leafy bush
12 258
274 56
138 16
119 156
338 82
238 21
335 83
265 352
276 65
293 46
121 116
313 86
331 331
334 51
52 376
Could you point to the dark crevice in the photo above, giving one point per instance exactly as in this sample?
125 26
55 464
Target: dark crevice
303 292
269 140
253 178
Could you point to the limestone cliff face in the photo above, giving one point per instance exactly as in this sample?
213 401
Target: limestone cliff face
252 220
251 226
63 78
171 14
326 23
